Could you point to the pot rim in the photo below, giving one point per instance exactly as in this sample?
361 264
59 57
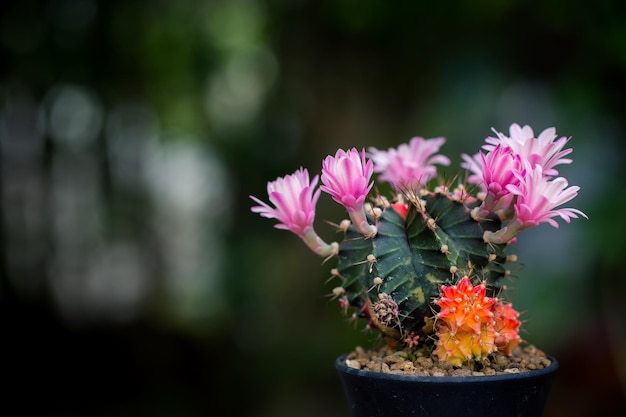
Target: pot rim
342 367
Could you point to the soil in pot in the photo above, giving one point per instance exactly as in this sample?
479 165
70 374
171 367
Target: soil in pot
388 360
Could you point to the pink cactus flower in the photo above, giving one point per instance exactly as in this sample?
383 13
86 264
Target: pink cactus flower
411 165
542 150
537 197
499 168
346 177
474 166
294 203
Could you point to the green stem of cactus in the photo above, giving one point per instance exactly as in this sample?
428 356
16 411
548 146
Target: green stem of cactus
391 278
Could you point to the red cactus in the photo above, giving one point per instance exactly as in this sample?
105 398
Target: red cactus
464 306
506 327
467 326
401 208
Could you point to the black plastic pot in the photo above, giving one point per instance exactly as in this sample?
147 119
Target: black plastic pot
373 394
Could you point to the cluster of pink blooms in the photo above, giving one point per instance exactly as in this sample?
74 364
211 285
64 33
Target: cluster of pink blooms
518 181
516 176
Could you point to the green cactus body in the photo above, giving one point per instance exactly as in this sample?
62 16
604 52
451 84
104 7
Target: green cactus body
437 243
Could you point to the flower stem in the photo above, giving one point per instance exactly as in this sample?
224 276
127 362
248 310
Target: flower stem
360 222
317 244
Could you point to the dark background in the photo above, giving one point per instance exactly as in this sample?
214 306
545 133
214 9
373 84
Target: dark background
136 281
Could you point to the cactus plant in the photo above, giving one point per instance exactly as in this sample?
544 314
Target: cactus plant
425 266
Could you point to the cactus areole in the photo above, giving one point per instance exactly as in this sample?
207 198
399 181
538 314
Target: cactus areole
426 267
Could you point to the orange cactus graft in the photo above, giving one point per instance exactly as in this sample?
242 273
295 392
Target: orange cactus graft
464 306
462 346
467 323
506 327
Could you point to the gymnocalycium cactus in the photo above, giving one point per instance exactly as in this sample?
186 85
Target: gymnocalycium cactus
426 266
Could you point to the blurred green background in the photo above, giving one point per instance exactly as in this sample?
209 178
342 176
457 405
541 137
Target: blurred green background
135 281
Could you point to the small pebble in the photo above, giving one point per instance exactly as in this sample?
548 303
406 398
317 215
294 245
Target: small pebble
353 363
